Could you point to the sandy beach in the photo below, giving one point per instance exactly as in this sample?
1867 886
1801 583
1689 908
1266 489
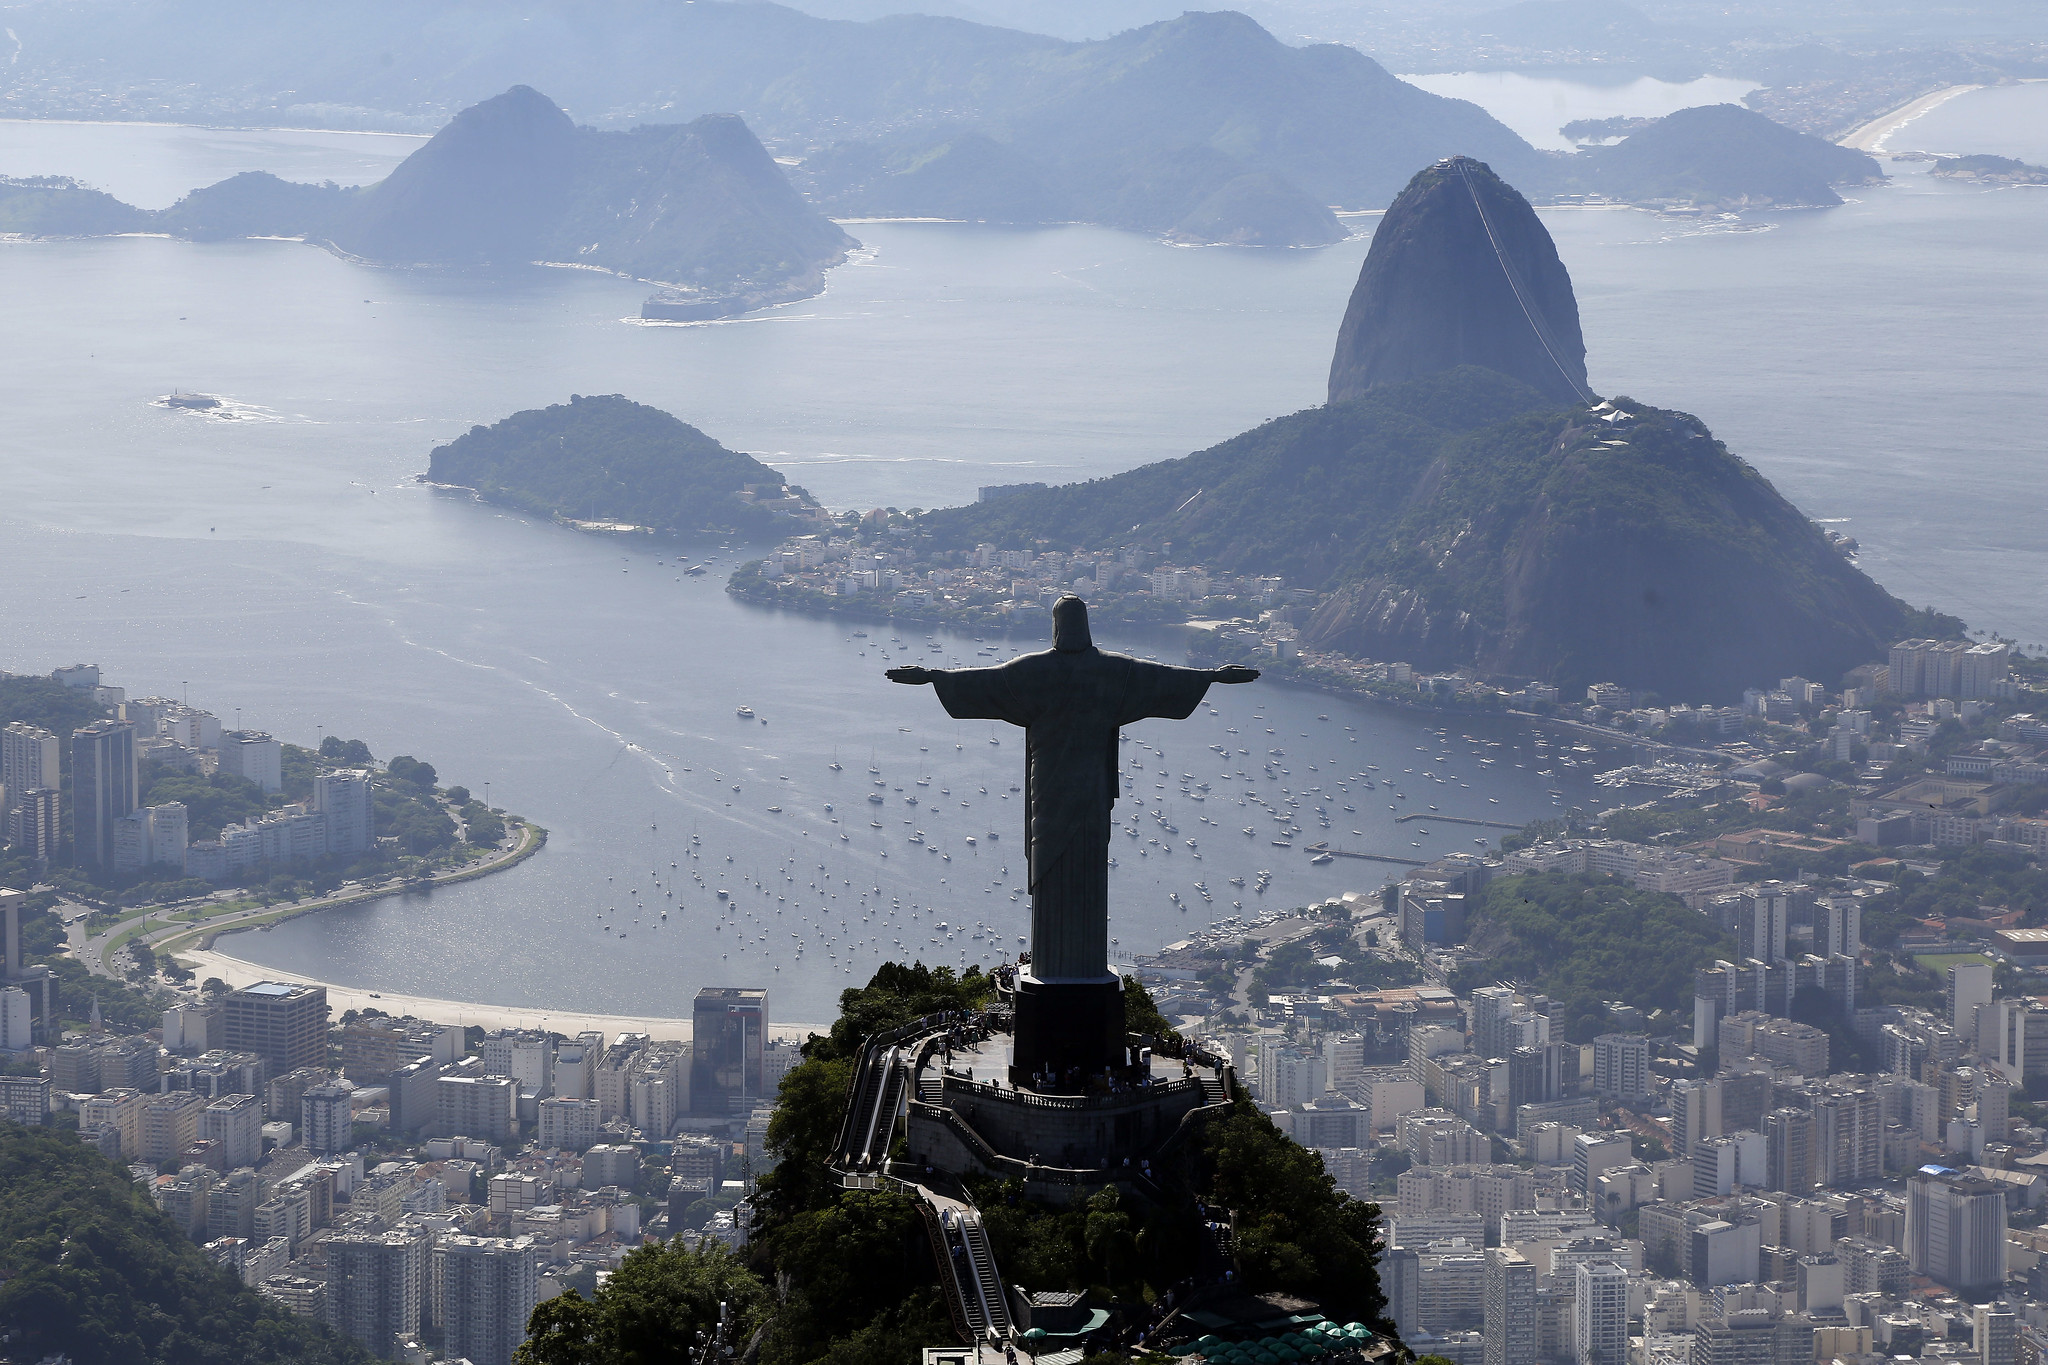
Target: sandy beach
236 972
1872 136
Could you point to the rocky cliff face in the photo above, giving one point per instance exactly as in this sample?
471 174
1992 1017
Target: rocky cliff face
1461 272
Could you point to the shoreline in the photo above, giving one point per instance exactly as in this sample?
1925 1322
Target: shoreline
239 972
1873 136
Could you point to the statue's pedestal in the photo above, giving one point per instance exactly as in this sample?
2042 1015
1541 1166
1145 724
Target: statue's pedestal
1067 1027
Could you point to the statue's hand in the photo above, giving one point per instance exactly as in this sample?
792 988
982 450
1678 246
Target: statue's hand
912 675
1236 673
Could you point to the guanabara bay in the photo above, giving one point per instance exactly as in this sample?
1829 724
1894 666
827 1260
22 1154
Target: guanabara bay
708 682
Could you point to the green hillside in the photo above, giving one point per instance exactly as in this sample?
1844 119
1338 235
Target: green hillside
90 1270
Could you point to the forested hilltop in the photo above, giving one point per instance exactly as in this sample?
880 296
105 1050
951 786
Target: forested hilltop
90 1270
609 459
846 1276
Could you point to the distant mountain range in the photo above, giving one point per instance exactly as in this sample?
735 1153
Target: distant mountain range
700 206
1203 128
1459 503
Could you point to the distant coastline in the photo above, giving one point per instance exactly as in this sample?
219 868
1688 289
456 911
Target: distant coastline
1872 136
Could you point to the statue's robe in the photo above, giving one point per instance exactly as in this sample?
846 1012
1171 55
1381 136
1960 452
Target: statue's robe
1071 705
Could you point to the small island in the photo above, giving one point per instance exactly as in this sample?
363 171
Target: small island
1997 170
606 463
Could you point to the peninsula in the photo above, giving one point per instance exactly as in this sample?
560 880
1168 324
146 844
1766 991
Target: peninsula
1464 501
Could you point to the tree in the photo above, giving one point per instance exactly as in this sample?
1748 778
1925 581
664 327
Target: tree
407 769
91 1271
651 1309
351 753
1296 1231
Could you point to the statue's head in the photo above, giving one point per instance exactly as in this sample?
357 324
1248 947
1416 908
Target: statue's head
1070 626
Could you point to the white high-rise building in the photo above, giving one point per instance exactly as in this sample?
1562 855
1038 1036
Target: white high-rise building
191 727
1969 985
1600 1305
17 1020
343 796
1621 1065
255 755
1287 1078
28 759
486 1288
236 1123
154 836
527 1058
327 1118
570 1125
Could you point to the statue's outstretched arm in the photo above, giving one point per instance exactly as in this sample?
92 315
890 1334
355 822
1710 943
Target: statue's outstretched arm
913 675
1236 673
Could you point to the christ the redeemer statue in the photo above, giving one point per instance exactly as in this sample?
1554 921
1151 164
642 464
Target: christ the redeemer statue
1071 700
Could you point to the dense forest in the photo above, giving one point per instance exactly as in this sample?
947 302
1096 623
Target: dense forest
91 1271
1587 940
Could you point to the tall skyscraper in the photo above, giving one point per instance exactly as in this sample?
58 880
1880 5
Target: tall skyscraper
1508 1309
487 1289
1955 1229
1600 1304
729 1028
283 1023
375 1286
102 789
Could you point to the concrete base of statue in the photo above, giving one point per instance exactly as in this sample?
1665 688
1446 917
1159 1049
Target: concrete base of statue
1067 1028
